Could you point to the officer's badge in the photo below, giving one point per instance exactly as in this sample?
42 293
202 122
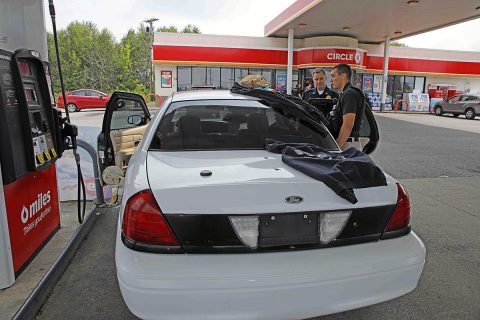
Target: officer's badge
329 97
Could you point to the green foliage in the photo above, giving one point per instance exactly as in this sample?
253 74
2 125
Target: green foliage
91 58
189 28
136 52
397 44
168 29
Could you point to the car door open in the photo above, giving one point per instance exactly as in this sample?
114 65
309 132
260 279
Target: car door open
124 123
368 134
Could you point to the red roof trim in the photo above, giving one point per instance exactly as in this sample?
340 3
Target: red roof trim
309 57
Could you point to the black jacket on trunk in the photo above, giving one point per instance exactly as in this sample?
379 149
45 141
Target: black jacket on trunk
341 172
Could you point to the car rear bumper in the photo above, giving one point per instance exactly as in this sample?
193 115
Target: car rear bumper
281 285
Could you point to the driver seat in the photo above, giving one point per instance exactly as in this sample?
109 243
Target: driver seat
124 143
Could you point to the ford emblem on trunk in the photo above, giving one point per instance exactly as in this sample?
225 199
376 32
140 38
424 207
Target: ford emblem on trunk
293 199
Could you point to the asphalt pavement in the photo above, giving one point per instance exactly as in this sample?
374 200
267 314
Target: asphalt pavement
409 150
441 171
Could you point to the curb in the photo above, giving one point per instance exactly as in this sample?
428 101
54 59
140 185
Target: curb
403 112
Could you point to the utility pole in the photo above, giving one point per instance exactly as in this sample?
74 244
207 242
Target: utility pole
151 32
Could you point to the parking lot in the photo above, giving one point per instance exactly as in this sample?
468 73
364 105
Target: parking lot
435 158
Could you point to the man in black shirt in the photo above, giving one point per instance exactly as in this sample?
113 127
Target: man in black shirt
348 113
320 90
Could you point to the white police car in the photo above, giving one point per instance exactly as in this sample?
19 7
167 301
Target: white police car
213 226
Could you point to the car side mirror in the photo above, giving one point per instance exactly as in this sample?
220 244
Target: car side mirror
135 119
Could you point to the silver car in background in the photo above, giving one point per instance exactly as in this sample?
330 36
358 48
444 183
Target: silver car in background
467 104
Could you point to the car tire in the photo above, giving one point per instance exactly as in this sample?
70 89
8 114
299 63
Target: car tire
71 107
438 111
470 114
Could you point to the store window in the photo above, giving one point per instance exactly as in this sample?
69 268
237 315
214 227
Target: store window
295 77
224 78
420 84
352 78
390 85
227 77
213 77
308 78
240 74
184 78
199 76
358 80
268 75
398 86
409 84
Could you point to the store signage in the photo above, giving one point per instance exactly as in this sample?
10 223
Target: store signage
332 56
418 102
166 79
367 82
347 57
281 78
377 83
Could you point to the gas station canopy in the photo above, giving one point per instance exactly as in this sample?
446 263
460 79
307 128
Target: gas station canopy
370 21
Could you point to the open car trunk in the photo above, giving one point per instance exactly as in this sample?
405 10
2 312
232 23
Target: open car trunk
369 134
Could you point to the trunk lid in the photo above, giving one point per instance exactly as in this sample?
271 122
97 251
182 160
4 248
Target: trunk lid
245 182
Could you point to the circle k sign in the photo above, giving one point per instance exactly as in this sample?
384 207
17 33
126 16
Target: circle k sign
332 56
345 56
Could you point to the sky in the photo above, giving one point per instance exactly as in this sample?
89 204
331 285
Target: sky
228 17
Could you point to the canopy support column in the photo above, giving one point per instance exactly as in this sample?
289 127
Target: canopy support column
385 72
290 61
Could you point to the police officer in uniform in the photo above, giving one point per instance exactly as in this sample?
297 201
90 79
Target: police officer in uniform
347 115
320 89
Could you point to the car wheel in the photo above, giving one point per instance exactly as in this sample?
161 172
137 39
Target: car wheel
438 111
470 114
456 115
71 107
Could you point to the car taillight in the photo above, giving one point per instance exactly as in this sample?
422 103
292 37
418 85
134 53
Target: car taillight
401 216
144 222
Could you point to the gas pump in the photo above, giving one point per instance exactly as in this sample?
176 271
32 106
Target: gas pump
33 135
31 140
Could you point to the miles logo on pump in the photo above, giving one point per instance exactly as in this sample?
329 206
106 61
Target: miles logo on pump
43 199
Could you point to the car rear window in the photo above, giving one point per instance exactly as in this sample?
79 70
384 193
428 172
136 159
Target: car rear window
234 124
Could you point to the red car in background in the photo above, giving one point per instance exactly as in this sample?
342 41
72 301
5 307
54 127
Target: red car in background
83 99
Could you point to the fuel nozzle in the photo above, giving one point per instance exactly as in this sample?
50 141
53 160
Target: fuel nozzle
69 134
65 133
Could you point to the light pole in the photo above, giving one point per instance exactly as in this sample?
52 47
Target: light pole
152 73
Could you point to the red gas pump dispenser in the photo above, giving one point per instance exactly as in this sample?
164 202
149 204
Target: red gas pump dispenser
30 143
33 135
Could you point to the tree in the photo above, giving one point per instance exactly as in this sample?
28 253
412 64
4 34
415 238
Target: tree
168 29
397 44
189 28
136 45
89 57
